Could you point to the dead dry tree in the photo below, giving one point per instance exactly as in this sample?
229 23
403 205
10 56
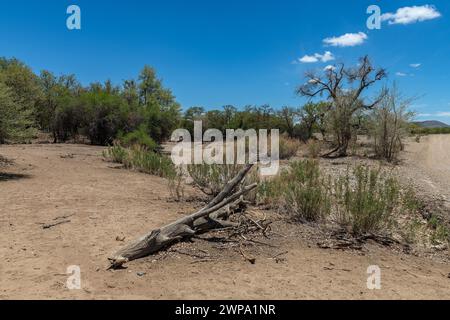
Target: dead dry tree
209 218
344 89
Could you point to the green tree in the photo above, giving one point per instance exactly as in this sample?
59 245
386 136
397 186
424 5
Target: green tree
389 124
161 112
16 123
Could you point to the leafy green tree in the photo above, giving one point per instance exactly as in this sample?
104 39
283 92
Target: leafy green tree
289 117
312 116
161 112
130 92
24 84
105 114
190 115
16 123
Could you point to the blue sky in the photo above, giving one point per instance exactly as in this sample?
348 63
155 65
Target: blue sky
212 53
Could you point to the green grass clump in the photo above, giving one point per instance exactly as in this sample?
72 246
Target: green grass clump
368 206
150 162
139 138
116 154
140 159
307 195
300 191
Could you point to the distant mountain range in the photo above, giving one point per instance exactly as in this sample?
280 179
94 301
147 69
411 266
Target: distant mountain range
431 124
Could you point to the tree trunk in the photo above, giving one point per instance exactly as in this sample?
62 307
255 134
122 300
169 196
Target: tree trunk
210 217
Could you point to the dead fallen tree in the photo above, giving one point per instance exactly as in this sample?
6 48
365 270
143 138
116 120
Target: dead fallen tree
211 217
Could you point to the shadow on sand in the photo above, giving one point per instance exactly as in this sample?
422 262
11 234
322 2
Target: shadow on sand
12 176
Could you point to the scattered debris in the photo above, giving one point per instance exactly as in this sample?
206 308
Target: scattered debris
278 258
252 260
341 240
58 221
67 156
194 255
51 225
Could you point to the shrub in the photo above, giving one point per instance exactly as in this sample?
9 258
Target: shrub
269 191
150 162
307 197
116 154
211 179
288 147
389 125
411 202
140 159
140 138
366 207
176 184
440 232
299 191
313 148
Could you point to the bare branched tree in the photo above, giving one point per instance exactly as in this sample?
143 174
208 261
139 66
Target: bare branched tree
344 88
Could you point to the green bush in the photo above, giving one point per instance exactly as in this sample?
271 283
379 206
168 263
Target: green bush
142 160
116 154
299 191
140 138
269 192
411 202
368 205
314 148
307 196
150 162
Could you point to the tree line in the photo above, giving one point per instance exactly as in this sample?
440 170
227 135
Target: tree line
60 105
142 109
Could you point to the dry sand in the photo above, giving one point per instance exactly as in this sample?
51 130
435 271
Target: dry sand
102 202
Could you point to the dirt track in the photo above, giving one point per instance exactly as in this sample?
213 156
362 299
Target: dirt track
50 181
427 166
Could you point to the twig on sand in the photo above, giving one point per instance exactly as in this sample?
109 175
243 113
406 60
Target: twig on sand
58 221
51 225
252 260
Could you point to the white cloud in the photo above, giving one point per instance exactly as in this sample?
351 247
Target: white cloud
347 40
309 59
401 74
329 67
327 56
408 15
415 65
437 114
